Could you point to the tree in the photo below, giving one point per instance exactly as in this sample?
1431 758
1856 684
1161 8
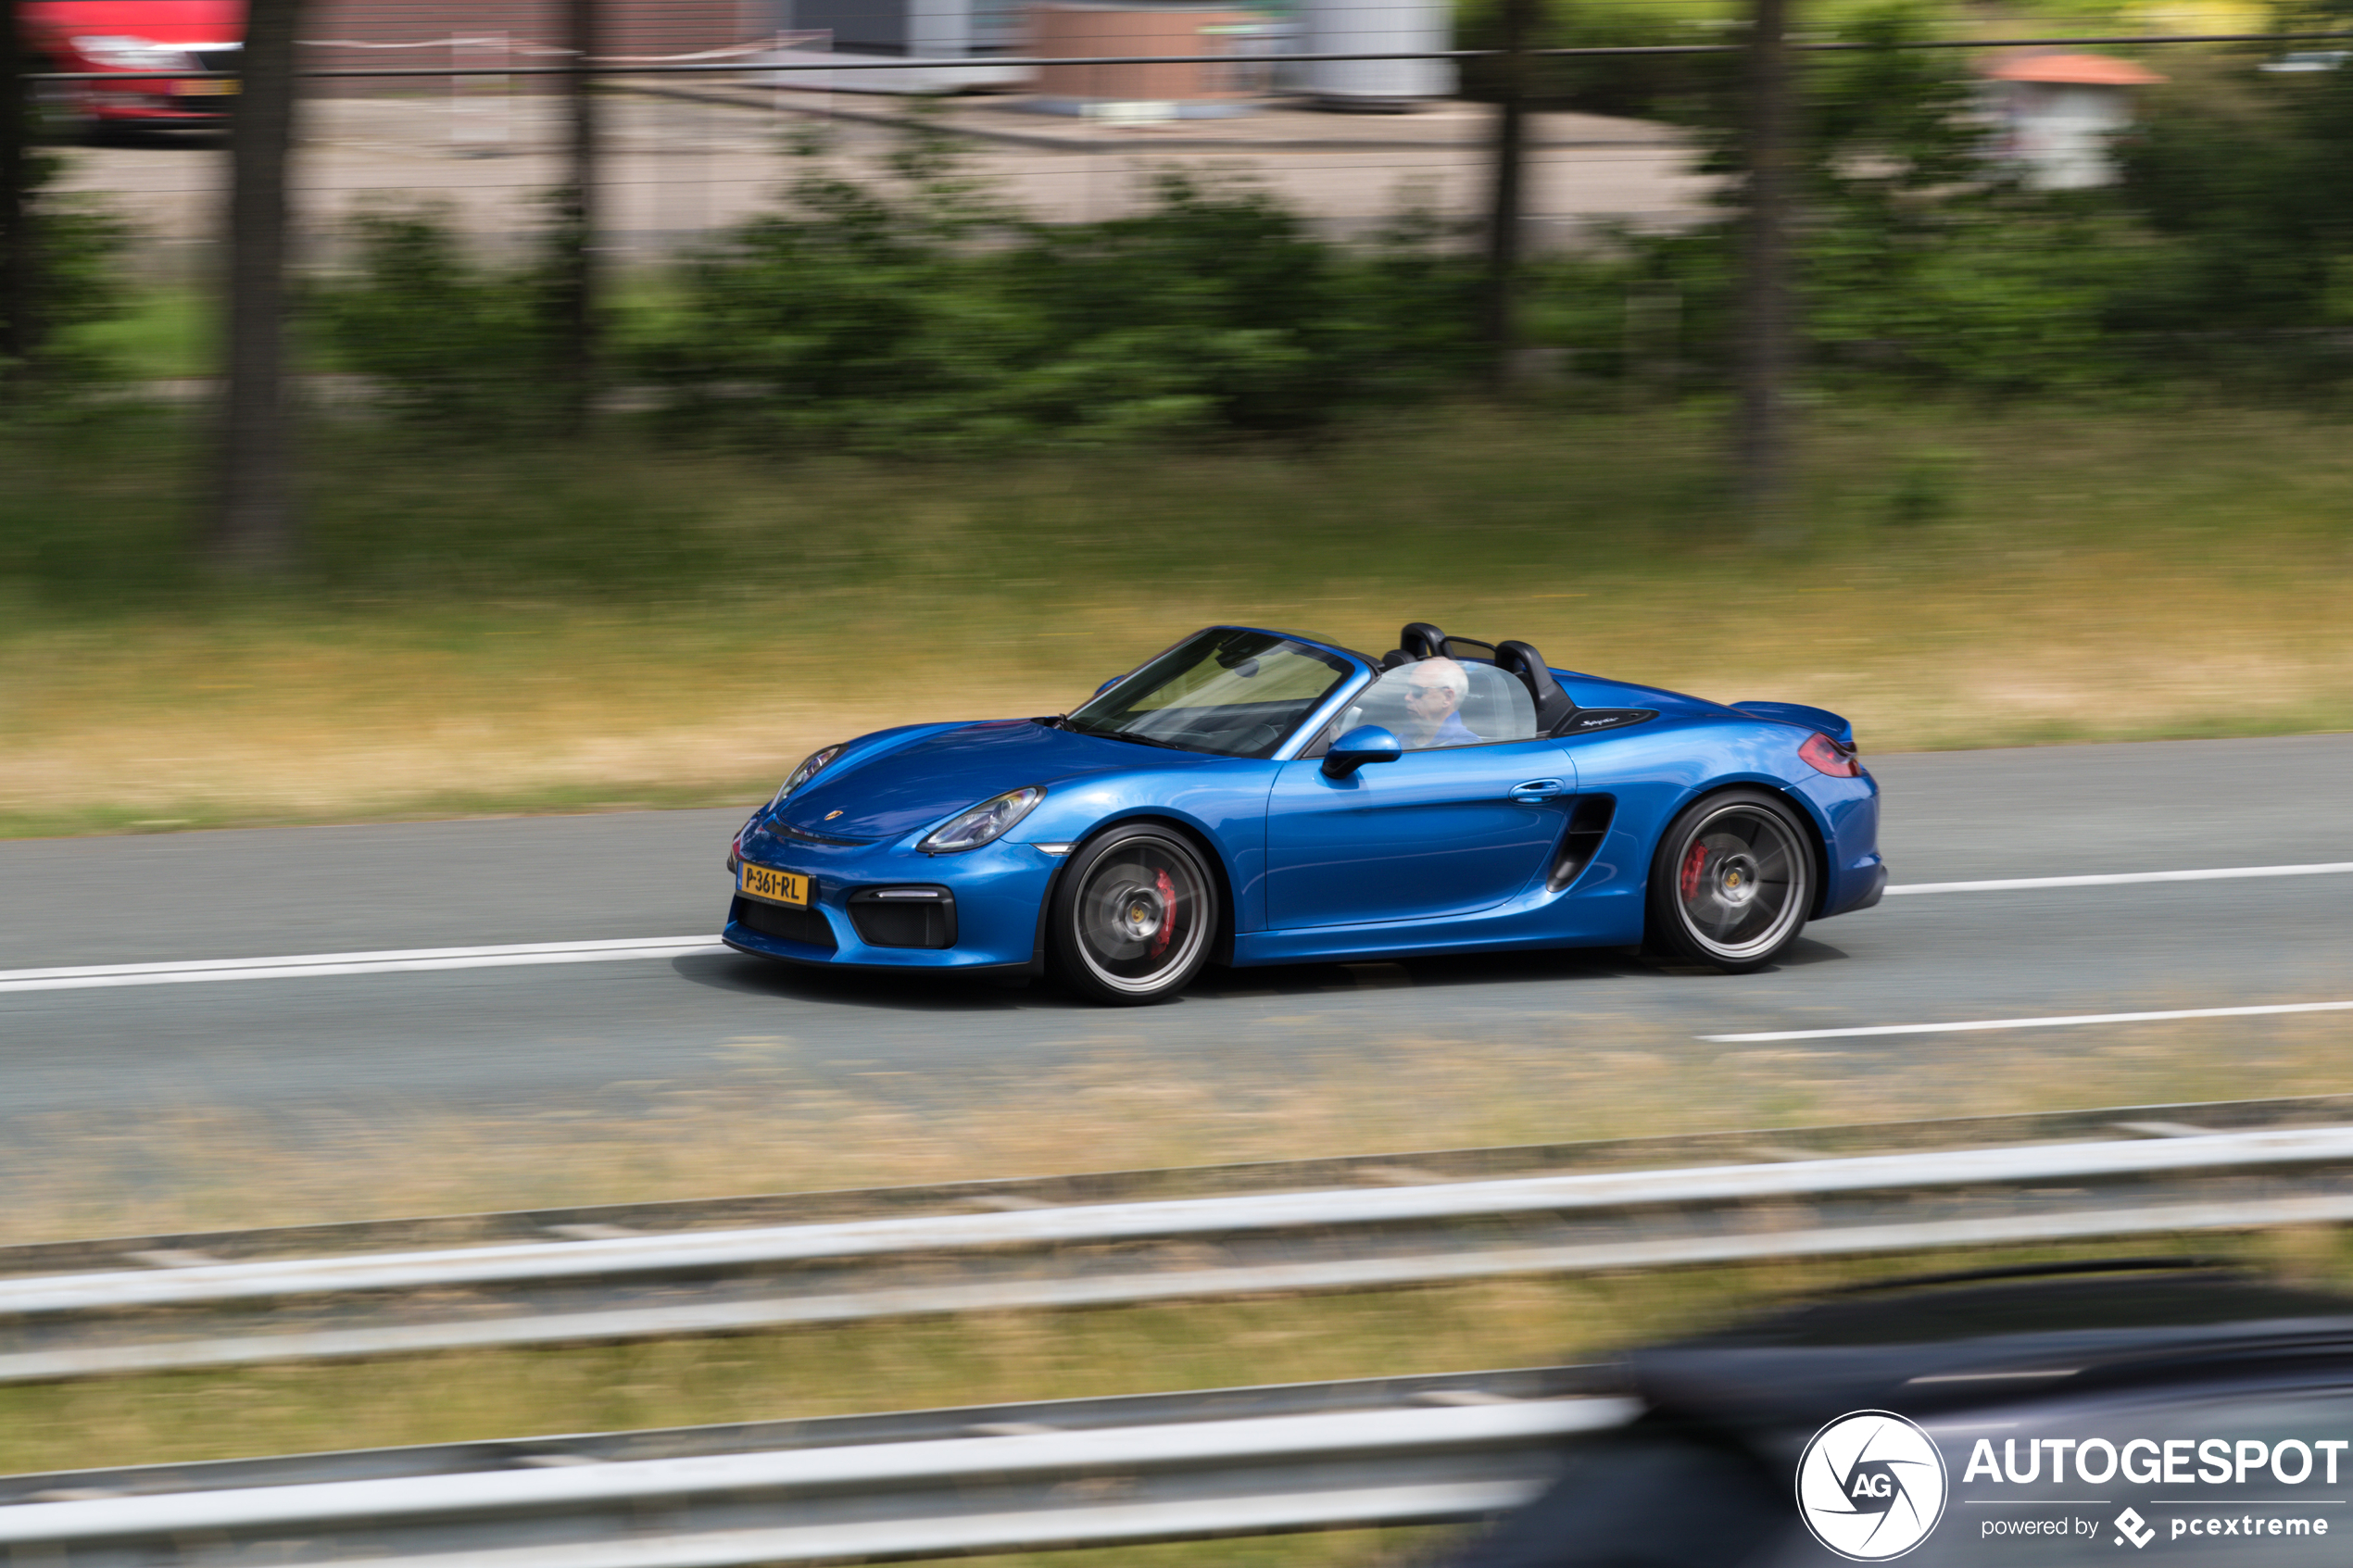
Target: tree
254 529
19 329
577 305
1767 350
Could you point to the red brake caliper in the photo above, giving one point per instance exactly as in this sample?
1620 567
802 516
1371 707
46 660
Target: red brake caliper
1694 862
1168 918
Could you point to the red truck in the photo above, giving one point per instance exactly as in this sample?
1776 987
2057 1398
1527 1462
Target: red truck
196 41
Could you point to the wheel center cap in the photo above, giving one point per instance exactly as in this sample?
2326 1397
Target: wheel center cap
1736 880
1141 912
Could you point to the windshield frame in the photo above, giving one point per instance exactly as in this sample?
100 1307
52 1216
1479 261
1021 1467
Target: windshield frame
1352 668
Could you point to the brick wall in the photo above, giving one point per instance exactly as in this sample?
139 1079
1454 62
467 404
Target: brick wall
631 26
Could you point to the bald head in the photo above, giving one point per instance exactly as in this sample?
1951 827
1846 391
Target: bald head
1434 689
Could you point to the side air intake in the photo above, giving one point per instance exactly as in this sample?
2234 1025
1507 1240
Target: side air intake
1588 826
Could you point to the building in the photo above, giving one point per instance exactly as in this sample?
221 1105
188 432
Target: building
2058 113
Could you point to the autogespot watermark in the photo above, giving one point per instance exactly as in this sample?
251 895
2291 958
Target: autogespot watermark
2261 1508
1872 1484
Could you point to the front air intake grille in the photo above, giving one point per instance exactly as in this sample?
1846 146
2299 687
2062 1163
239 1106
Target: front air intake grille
781 920
904 917
786 829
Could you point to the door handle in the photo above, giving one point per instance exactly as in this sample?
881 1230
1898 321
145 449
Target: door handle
1537 789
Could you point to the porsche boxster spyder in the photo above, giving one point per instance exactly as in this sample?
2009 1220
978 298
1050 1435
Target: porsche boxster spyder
1254 796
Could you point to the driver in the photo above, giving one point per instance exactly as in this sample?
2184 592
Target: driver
1434 690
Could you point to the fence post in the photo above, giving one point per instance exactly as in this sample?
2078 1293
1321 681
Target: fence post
19 328
479 110
1504 218
253 533
577 316
1766 349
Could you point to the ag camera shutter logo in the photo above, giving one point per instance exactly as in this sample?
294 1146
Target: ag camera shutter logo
1871 1485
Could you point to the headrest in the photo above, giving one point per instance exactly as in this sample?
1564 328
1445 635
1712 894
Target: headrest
1421 640
1524 661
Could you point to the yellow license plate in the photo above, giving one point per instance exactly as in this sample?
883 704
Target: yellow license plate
774 886
208 87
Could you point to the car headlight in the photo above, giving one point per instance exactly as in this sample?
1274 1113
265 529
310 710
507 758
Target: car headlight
809 767
985 823
130 53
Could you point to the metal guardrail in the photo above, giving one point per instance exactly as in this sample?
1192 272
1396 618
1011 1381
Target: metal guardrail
998 1478
2176 1175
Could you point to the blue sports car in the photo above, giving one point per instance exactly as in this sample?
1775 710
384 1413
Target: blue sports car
1254 796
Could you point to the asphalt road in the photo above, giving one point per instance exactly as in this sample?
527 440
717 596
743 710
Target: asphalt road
616 1033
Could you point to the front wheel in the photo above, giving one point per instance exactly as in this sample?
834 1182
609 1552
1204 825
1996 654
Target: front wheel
1132 916
1731 882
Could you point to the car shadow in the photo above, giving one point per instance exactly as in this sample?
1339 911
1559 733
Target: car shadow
204 138
894 991
918 991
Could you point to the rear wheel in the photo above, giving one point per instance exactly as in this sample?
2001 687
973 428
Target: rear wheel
1133 916
1731 882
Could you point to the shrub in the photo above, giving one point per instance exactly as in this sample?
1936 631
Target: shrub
447 341
915 313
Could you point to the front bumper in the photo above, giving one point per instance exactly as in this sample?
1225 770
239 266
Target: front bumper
157 101
994 893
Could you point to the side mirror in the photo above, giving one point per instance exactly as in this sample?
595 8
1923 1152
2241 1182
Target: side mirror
1365 742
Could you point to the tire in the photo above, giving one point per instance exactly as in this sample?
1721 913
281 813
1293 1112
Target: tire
1133 916
1731 882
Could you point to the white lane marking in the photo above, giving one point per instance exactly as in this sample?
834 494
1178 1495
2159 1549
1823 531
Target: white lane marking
297 965
2059 1022
2217 874
302 965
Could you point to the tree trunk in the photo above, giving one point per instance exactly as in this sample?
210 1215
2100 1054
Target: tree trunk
253 533
1503 217
1768 334
19 327
577 304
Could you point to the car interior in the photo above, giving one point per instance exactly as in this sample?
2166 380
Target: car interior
1512 694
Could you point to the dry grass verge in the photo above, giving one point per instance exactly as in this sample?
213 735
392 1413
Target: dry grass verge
768 1128
633 629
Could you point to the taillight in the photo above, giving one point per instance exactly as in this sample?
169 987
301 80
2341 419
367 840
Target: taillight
1827 756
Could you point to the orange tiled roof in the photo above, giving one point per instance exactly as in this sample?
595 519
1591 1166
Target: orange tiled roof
2092 70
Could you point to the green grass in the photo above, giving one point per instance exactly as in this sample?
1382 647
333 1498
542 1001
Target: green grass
172 332
167 333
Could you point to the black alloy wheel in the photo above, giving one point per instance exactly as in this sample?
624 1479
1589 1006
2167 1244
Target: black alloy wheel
1732 883
1133 915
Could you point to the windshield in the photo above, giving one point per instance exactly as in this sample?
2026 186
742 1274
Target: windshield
1235 693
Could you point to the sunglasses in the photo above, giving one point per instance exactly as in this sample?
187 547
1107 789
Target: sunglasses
1414 694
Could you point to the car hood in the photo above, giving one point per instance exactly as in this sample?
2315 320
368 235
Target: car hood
909 786
159 21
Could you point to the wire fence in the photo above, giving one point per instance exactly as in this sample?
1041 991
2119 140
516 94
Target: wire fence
697 142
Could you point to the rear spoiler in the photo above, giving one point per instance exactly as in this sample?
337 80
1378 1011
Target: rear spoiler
1821 719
